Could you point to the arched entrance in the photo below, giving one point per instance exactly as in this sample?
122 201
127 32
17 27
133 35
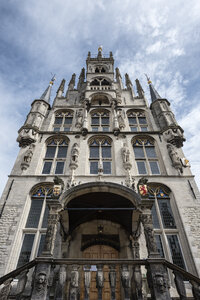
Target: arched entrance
101 252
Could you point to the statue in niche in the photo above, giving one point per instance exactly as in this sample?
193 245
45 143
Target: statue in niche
28 155
125 153
120 117
79 118
74 154
174 157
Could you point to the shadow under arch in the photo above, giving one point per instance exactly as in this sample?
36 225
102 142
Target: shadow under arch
100 200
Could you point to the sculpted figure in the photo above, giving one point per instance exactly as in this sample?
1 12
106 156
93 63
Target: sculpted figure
28 155
174 157
120 119
125 154
79 118
40 282
160 282
74 153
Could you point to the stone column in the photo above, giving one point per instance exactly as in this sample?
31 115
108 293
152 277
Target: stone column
112 280
53 219
146 219
40 282
99 281
157 275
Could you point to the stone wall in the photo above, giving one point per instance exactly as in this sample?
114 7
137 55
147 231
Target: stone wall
8 223
192 224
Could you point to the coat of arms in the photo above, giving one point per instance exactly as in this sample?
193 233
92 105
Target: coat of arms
142 186
56 190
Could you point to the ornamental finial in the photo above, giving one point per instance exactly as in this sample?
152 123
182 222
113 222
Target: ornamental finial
100 49
148 79
52 80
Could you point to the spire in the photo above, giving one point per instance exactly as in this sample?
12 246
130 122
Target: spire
128 81
140 90
81 79
119 78
61 88
100 49
153 92
129 84
47 93
72 82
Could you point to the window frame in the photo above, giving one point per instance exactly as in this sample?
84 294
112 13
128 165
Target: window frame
39 193
138 126
100 115
100 159
64 115
159 192
141 144
58 144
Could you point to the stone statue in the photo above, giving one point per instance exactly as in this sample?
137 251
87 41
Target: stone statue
120 117
174 157
40 283
125 278
149 235
160 282
174 136
99 277
125 154
74 153
28 155
79 118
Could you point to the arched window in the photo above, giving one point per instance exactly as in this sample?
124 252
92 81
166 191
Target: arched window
145 155
36 225
55 156
63 121
100 70
100 155
137 121
100 120
166 232
100 83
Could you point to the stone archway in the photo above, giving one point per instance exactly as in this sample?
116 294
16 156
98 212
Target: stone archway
100 200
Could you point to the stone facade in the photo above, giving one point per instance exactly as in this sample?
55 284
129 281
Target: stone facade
132 140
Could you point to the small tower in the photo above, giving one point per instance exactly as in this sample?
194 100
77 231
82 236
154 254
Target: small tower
165 118
28 133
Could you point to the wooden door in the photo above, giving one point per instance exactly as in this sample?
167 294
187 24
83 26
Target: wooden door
101 252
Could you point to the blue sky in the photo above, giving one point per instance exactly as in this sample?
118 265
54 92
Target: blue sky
156 37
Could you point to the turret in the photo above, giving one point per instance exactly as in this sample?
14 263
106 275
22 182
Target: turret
165 118
28 133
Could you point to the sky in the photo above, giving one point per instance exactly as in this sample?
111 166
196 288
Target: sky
41 38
